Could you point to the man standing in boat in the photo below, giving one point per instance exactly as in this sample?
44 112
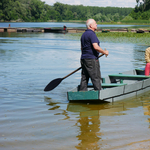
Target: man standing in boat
90 50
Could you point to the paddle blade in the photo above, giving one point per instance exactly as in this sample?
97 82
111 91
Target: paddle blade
53 84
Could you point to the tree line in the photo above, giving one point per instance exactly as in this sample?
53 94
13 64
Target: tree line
141 10
38 11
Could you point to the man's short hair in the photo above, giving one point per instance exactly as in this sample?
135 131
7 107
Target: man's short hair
89 22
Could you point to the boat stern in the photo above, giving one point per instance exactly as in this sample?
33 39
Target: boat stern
82 95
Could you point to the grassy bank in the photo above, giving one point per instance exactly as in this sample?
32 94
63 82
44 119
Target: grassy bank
121 37
129 22
125 37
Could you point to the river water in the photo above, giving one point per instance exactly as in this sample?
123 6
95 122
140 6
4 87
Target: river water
61 24
33 119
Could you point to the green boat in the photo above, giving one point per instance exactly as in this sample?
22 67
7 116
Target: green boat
115 87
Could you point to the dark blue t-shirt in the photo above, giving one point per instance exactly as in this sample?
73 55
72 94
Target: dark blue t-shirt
87 39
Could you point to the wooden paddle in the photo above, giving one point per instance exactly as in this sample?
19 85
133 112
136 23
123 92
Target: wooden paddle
54 83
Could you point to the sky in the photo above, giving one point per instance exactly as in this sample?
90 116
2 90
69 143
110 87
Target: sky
99 3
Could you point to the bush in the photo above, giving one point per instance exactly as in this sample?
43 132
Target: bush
127 18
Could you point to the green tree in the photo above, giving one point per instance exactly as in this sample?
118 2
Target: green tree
116 17
98 17
141 11
36 10
75 16
68 15
145 16
127 18
58 16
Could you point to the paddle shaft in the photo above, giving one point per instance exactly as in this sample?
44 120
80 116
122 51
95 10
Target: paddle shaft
78 69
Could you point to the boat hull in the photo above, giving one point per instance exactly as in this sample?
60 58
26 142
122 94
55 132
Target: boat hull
134 83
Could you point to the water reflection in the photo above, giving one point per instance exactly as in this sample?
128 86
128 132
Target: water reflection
139 56
88 124
50 101
91 122
147 111
61 24
89 127
96 125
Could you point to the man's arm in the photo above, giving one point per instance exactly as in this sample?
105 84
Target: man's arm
99 49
